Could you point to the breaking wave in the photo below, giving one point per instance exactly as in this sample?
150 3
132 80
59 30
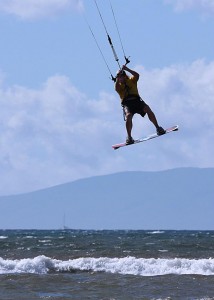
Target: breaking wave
126 266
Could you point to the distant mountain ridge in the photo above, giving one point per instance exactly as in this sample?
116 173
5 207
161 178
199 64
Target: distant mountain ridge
172 199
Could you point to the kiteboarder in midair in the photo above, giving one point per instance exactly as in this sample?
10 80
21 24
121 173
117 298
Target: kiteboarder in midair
126 87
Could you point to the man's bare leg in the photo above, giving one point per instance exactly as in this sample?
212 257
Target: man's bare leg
151 116
129 124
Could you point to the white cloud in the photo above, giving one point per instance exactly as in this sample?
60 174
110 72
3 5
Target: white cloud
183 94
187 89
204 6
57 134
51 135
34 9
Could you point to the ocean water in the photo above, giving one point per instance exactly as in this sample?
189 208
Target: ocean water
107 265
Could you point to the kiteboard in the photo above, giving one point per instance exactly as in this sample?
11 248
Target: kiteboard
147 138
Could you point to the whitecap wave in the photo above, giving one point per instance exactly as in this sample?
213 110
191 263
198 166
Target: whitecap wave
126 266
156 232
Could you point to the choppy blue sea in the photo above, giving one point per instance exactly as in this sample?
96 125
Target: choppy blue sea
107 265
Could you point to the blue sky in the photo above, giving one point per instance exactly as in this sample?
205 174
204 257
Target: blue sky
59 112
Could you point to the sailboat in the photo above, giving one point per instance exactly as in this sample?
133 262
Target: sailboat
64 226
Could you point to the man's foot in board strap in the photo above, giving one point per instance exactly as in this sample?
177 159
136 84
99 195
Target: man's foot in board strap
129 141
160 131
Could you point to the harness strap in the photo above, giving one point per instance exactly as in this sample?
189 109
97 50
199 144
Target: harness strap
131 97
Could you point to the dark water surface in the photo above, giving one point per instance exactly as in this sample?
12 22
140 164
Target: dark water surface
80 264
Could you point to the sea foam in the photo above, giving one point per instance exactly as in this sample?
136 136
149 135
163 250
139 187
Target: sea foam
126 265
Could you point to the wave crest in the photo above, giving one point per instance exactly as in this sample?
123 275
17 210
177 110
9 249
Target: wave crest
126 266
